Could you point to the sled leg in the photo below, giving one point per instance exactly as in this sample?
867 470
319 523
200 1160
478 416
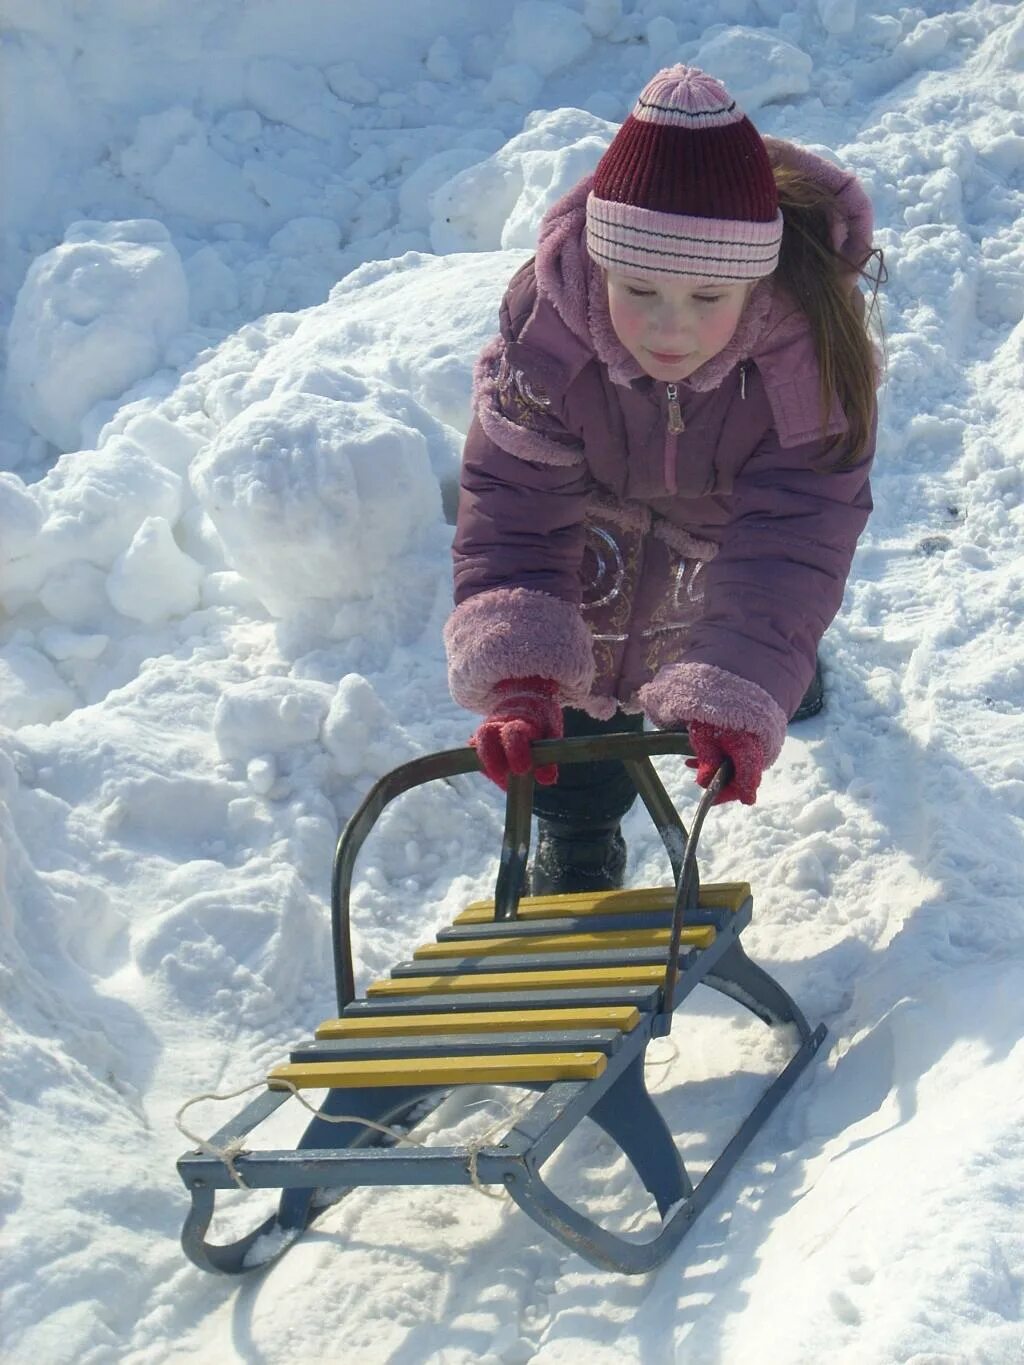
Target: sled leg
298 1207
630 1117
736 976
610 1252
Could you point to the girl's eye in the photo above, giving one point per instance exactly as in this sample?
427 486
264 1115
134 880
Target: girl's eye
640 293
708 298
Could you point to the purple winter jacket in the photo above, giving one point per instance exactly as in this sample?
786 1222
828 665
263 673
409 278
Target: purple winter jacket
690 576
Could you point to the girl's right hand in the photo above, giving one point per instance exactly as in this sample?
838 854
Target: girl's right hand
711 744
527 710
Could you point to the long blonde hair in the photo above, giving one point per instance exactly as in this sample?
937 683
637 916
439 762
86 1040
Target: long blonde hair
817 277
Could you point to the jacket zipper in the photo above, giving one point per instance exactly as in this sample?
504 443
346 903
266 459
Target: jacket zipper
675 426
675 416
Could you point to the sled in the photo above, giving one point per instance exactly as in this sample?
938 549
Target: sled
555 994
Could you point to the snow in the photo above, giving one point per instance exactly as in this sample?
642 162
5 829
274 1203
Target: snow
93 316
250 255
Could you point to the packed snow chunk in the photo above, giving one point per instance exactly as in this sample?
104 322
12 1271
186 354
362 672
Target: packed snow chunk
213 285
318 499
1008 43
76 594
233 946
499 202
837 16
294 95
927 39
939 200
269 716
360 733
547 36
662 37
350 85
31 690
307 237
756 67
96 500
241 125
416 193
153 580
20 517
601 16
443 61
517 83
172 444
63 644
172 162
93 317
418 323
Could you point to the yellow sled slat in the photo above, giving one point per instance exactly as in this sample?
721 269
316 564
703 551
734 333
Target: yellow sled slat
623 1017
698 937
507 1069
565 978
644 900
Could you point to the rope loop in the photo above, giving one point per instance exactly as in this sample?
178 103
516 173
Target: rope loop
236 1148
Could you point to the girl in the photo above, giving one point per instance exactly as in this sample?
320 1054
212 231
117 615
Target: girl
667 470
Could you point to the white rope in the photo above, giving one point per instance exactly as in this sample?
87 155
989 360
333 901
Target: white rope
237 1148
508 1120
231 1150
673 1054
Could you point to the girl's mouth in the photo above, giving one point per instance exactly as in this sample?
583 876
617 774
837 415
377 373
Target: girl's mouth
667 358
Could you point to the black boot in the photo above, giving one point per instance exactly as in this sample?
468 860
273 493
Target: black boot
814 697
571 858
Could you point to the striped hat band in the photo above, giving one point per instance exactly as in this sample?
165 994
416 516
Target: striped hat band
660 245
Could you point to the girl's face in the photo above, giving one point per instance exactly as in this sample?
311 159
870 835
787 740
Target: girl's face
672 327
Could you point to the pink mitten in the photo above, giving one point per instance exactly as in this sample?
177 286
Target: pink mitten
712 744
527 710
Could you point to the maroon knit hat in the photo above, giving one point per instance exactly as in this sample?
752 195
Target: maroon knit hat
686 187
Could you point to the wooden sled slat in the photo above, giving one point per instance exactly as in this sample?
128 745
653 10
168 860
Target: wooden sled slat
606 1040
644 900
623 1017
700 937
512 981
511 1069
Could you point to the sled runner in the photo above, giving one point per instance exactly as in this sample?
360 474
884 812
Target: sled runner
558 994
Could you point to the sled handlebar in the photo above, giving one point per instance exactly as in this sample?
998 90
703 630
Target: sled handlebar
635 751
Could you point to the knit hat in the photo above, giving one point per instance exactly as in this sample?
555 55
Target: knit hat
686 187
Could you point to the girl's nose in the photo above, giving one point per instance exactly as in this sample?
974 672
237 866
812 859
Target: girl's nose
671 323
675 338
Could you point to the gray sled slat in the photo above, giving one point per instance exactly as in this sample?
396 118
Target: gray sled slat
535 928
645 998
532 962
700 918
607 1041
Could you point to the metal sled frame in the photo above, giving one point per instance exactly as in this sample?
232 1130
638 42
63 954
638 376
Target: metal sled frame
332 1159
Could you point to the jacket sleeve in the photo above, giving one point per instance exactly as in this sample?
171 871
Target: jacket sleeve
774 586
519 537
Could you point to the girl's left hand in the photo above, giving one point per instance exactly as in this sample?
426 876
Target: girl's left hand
712 744
525 710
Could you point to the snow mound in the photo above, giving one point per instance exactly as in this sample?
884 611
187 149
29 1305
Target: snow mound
93 316
498 203
757 68
325 504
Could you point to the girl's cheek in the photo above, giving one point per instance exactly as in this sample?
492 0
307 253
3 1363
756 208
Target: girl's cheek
629 321
719 332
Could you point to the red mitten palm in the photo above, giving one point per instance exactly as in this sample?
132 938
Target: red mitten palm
527 710
711 744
